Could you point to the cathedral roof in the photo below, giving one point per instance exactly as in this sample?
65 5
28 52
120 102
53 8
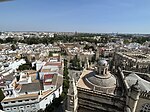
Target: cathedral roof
101 79
92 79
143 84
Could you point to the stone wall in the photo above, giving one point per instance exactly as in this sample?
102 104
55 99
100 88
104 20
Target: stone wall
101 101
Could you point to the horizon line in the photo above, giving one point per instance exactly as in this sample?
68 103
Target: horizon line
74 32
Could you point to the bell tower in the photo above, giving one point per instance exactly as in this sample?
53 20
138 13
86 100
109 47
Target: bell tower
133 96
72 99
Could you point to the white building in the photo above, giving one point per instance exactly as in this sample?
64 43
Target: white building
30 102
30 92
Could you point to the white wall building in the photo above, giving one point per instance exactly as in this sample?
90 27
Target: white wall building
34 91
31 102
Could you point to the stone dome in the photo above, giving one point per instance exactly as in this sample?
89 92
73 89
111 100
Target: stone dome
105 84
101 79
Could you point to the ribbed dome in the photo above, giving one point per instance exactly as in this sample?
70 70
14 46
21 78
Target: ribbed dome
106 85
101 82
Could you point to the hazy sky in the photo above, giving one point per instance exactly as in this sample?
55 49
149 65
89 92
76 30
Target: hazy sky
126 16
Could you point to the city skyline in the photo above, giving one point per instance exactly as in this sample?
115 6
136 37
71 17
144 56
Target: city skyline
96 16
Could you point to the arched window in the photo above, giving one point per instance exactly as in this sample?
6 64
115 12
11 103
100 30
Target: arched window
102 72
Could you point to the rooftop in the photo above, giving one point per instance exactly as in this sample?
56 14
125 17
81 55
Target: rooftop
20 97
81 82
132 79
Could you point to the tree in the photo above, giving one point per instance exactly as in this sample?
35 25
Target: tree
50 54
126 41
24 67
93 58
27 60
83 63
86 47
1 41
1 98
1 95
75 63
13 47
9 40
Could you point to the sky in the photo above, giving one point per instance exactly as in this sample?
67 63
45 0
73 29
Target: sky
97 16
